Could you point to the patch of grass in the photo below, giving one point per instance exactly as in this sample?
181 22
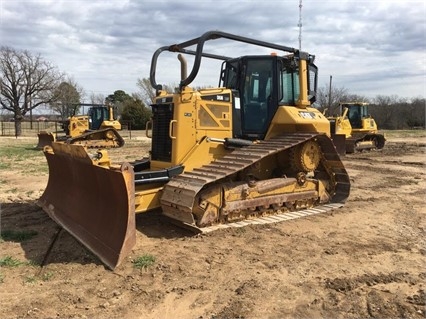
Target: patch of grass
29 193
9 261
5 166
13 190
33 263
19 152
17 235
40 169
17 155
404 133
1 278
30 279
144 261
47 276
44 277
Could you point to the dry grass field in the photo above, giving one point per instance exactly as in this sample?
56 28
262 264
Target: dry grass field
365 260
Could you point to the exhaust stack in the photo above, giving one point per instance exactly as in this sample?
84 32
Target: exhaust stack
183 67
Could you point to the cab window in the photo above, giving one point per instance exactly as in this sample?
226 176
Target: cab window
289 84
256 94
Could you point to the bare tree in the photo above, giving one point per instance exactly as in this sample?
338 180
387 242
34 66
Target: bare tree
69 94
96 98
416 113
26 81
384 111
147 93
330 102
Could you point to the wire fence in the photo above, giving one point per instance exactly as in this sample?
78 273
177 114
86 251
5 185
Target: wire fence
28 128
31 128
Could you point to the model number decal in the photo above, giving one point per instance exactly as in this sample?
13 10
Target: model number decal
307 115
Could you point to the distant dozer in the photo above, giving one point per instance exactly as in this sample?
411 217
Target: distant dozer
354 129
252 150
97 129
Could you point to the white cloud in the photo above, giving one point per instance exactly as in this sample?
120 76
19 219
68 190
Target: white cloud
370 47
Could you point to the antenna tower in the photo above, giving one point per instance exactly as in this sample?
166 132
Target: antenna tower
300 25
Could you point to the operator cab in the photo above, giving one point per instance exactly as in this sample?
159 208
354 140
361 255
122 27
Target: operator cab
356 112
262 84
97 115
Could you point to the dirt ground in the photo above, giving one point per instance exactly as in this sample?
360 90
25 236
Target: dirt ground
365 260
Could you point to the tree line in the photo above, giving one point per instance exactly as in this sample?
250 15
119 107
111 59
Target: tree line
389 112
27 81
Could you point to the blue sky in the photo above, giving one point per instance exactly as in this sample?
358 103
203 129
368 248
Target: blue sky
369 47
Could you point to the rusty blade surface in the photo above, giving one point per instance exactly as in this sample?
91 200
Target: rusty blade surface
45 139
94 204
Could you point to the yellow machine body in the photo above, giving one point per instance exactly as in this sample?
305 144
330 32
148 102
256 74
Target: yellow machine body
110 122
252 147
97 129
78 125
197 119
358 128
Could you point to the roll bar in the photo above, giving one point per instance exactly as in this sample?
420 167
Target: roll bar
198 53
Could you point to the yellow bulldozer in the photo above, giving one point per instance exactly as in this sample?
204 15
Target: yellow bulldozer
251 150
97 129
356 127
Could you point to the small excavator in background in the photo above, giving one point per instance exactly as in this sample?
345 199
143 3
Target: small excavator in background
97 129
354 129
252 150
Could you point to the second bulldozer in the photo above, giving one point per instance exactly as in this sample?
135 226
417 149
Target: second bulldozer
356 128
251 150
97 129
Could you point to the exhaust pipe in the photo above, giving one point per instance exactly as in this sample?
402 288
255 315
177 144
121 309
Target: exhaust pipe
183 67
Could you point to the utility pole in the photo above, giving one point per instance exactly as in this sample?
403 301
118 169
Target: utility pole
31 113
300 25
329 97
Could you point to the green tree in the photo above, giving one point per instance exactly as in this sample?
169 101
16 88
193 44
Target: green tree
26 82
118 96
136 113
118 100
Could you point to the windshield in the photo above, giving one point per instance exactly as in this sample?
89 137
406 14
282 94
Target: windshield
257 93
289 83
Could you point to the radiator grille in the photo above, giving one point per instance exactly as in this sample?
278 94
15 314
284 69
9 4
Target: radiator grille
161 149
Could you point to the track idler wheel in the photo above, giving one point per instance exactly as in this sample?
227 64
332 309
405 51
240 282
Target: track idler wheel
306 157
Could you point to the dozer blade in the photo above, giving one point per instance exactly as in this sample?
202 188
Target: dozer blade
339 141
45 139
93 203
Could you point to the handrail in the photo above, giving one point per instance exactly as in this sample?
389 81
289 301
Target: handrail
198 53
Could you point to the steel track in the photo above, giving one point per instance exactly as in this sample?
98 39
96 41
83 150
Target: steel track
179 194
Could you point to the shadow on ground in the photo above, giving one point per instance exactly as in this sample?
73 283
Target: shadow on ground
45 242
